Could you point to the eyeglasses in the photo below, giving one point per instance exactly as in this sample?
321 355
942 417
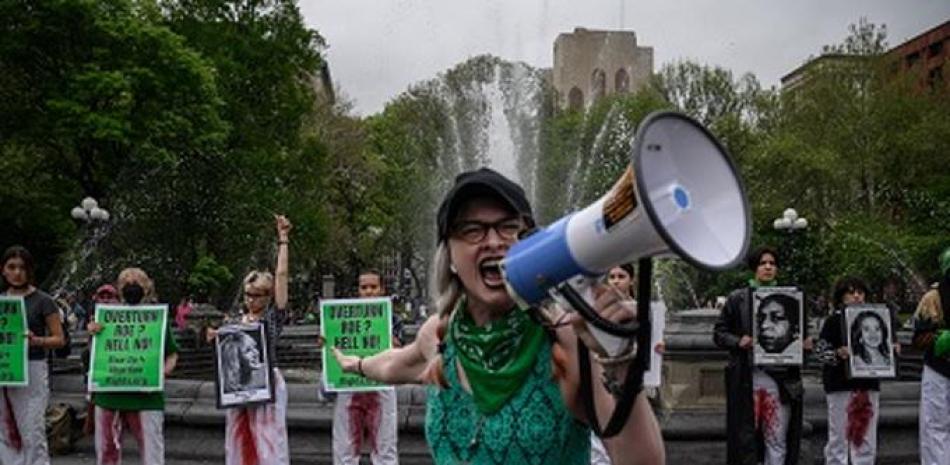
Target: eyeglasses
474 232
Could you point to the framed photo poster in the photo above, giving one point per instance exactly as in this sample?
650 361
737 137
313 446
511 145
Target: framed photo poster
869 335
243 365
777 320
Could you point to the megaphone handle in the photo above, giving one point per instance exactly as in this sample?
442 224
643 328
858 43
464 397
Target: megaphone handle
579 303
633 383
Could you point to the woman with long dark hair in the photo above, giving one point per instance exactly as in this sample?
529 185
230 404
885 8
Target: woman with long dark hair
22 409
852 403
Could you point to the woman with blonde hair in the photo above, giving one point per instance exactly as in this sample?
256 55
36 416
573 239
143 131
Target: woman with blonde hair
143 413
258 434
22 409
504 381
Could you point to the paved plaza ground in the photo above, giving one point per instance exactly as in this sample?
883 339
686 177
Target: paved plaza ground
87 459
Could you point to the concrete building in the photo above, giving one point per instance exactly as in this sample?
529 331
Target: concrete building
591 64
926 55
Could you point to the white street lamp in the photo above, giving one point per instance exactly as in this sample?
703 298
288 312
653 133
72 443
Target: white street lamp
790 221
89 211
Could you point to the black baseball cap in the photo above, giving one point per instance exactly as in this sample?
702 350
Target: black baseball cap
478 183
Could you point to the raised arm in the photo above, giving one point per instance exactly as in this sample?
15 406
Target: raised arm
281 273
403 365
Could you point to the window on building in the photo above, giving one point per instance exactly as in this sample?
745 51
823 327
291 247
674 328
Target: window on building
934 49
598 84
935 78
621 81
575 99
912 59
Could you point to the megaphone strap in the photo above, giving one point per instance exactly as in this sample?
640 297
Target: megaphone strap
630 389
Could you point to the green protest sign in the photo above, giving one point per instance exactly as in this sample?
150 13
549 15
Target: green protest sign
360 327
13 343
128 354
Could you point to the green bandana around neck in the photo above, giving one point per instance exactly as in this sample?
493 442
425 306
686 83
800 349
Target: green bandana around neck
755 283
497 357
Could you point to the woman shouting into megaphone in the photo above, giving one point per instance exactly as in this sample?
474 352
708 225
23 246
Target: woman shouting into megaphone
504 387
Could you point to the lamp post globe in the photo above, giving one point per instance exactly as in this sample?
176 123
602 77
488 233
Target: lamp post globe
79 214
89 203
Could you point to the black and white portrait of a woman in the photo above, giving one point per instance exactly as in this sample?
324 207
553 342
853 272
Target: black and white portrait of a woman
869 341
243 365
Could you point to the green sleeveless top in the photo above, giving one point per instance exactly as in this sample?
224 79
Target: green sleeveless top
533 428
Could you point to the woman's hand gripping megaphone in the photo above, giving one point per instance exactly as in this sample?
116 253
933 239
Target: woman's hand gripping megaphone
604 318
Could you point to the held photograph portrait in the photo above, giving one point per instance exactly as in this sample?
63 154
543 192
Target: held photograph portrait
869 331
244 374
777 318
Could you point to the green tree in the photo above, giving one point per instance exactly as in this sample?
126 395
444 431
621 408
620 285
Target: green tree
267 64
860 151
100 98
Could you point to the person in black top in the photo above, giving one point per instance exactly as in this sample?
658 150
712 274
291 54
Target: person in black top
852 403
764 413
258 433
22 409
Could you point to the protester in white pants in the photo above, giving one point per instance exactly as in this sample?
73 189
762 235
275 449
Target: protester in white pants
764 404
843 448
22 430
853 404
367 417
932 335
257 434
142 414
146 427
934 418
771 416
23 409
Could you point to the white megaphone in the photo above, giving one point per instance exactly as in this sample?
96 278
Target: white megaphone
681 195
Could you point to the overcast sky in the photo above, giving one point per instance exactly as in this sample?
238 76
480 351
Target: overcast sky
377 48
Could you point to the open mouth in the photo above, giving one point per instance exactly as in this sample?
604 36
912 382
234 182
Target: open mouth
491 273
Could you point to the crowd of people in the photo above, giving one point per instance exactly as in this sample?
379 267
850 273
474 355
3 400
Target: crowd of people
504 382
